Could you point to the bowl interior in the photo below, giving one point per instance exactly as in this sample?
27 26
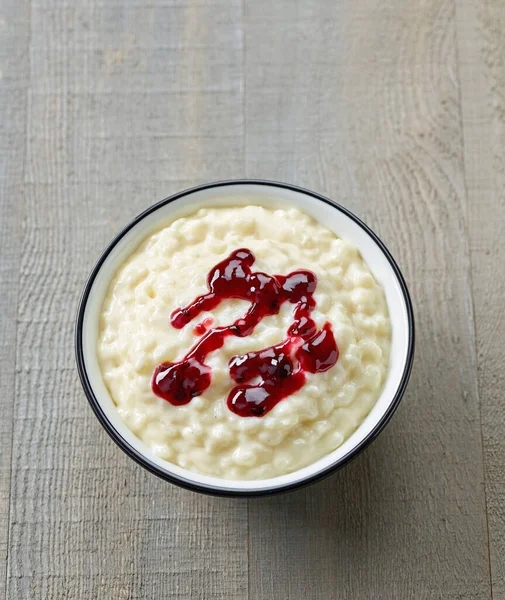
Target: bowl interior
269 196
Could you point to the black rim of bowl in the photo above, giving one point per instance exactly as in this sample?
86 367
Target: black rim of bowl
155 469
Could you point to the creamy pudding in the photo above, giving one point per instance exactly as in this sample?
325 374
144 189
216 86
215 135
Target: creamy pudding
244 343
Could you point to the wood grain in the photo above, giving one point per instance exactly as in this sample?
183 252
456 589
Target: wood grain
361 100
482 69
129 103
14 82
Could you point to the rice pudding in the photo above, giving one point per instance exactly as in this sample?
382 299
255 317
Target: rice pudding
244 343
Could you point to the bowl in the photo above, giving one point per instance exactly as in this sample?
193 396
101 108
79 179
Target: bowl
236 193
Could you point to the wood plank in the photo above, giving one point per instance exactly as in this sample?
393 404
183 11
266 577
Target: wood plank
128 105
14 36
482 71
360 100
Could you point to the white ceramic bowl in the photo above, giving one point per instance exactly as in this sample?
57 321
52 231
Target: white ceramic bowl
236 193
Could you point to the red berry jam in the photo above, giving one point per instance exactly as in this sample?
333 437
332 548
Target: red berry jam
202 327
280 369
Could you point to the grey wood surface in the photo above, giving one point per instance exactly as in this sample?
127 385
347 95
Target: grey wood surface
14 36
393 107
481 28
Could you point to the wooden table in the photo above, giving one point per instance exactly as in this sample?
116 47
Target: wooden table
395 108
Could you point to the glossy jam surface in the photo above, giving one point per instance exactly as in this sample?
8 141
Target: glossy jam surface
265 377
202 327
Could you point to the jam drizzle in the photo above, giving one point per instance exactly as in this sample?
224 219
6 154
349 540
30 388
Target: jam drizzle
314 350
202 327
